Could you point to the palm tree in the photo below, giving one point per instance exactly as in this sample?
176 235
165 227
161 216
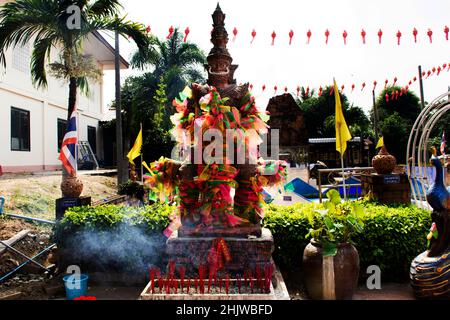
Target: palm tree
45 22
174 60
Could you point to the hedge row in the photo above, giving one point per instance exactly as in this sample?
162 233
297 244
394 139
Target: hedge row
392 237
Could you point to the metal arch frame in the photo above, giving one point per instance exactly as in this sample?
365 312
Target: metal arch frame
417 145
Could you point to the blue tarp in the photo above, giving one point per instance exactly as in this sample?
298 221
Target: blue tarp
352 192
301 188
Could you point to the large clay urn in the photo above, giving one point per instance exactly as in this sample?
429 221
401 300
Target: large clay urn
71 187
346 271
384 163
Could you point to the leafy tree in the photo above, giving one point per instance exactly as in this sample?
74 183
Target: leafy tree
45 22
396 117
320 115
175 60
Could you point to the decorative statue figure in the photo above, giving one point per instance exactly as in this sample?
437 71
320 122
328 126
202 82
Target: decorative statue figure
221 120
430 271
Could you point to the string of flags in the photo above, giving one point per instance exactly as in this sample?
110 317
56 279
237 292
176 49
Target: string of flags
395 94
414 32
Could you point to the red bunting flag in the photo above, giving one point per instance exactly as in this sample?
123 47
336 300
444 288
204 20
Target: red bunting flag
331 91
395 81
148 29
399 35
253 35
446 30
344 35
363 86
374 85
387 97
353 87
308 35
415 32
275 89
380 34
251 87
291 35
363 35
320 91
342 88
285 89
170 33
327 34
298 91
386 83
274 35
235 32
186 33
430 35
264 88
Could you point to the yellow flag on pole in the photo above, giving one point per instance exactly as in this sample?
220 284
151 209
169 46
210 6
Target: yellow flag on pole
342 133
380 143
136 150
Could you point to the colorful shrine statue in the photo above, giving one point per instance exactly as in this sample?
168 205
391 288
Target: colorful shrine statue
217 129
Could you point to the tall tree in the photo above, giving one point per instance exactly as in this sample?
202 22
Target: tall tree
175 60
62 25
397 115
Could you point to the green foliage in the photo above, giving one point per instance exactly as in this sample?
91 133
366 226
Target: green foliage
336 223
319 114
392 236
396 118
132 189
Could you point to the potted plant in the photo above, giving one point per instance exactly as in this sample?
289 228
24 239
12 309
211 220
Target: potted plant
330 261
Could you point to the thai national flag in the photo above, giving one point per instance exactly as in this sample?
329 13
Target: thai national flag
69 145
443 144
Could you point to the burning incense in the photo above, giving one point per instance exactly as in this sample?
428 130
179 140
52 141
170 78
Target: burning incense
227 284
152 279
182 272
251 280
239 283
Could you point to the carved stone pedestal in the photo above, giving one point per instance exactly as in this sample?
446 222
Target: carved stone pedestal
246 253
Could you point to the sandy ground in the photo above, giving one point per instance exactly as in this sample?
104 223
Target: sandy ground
35 194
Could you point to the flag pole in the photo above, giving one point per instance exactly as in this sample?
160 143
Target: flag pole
142 160
342 164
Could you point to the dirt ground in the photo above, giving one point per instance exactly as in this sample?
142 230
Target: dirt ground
35 194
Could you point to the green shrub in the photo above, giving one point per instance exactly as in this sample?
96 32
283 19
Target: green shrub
392 236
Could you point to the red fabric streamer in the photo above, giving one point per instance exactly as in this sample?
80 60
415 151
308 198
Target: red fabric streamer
342 88
363 35
430 35
235 32
263 87
344 35
274 35
298 91
415 79
399 35
433 70
415 34
363 86
386 83
374 85
380 34
251 87
446 30
291 35
170 33
327 35
309 34
395 81
186 33
387 97
285 89
253 35
320 91
148 29
331 91
275 89
353 87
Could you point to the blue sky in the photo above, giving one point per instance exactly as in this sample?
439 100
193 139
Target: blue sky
313 64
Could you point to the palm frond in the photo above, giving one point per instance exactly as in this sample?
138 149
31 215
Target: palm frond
104 8
40 54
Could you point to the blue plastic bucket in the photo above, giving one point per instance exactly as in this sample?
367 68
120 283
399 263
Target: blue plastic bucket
76 285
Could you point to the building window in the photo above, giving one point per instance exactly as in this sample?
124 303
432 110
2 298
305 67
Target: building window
20 130
21 58
62 127
92 138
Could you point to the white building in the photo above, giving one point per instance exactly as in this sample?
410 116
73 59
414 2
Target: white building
33 121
